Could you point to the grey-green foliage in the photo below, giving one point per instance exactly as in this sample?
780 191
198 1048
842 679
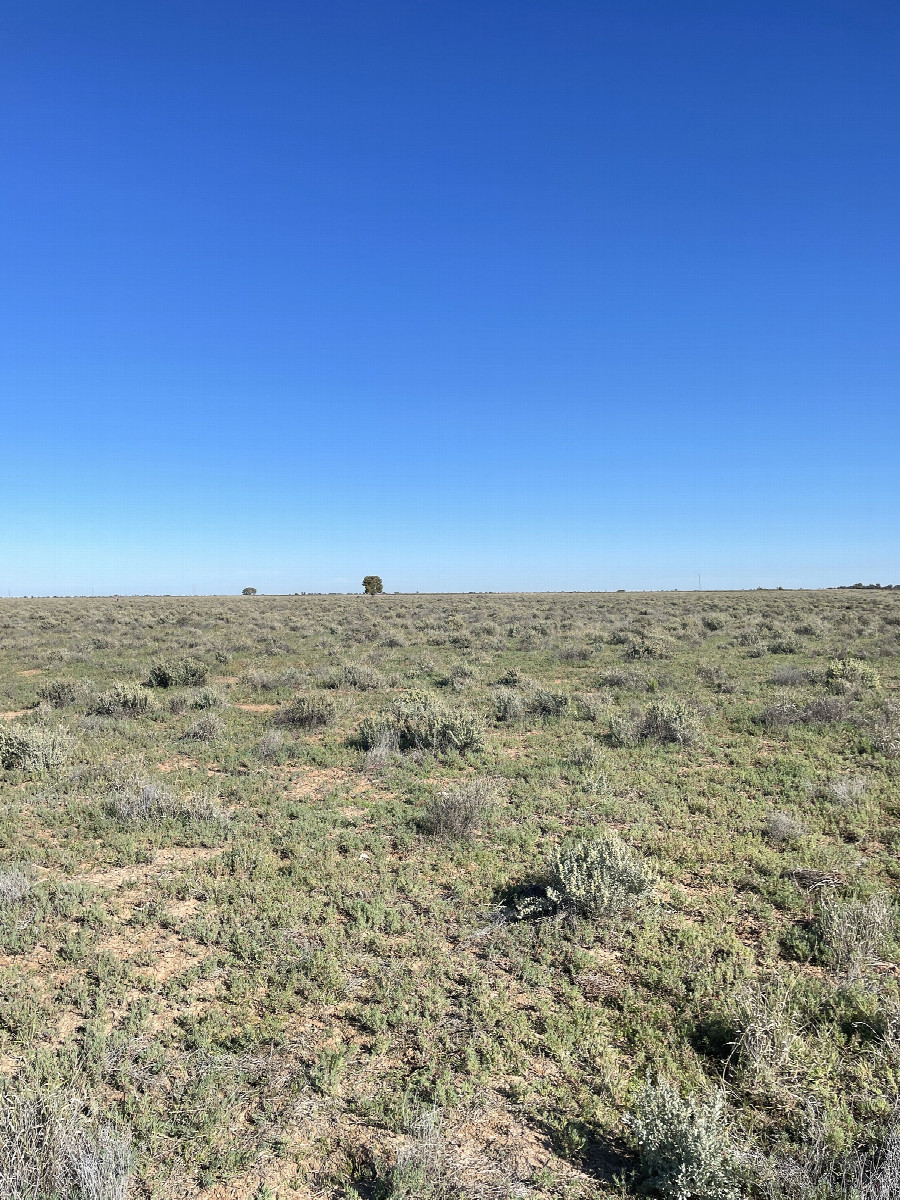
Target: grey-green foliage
886 731
508 705
546 703
457 812
671 720
49 1151
142 802
846 673
781 827
205 697
417 721
423 1170
682 1144
593 877
122 699
648 644
307 712
15 884
855 931
178 672
32 748
355 677
815 1172
62 692
207 728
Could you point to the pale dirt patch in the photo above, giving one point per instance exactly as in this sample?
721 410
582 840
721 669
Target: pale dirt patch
135 873
68 1023
314 780
9 716
169 953
33 671
256 707
175 764
183 763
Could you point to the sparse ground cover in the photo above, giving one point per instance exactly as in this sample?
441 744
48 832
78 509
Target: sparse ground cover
460 896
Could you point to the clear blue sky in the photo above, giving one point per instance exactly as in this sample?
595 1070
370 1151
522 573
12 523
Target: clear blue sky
492 295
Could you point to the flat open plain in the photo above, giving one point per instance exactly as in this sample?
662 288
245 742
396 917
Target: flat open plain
284 895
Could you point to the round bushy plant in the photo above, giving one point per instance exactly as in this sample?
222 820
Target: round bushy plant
417 721
181 672
683 1151
593 877
850 673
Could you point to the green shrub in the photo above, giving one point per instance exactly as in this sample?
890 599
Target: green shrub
592 877
356 677
205 698
307 712
417 721
648 645
624 729
179 672
671 720
545 703
682 1145
823 710
456 813
32 748
123 699
719 680
786 644
509 706
851 673
61 692
372 585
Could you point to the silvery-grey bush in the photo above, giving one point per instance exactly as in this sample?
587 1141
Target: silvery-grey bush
682 1144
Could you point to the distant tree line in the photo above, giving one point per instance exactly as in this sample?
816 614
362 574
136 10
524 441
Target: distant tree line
880 587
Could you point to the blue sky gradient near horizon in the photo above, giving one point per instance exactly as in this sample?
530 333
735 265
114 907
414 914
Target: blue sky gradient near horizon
532 296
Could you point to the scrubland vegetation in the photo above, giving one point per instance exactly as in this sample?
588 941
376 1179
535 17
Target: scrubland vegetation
475 896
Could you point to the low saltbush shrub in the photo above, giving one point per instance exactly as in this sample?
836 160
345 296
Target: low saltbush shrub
457 813
122 700
850 674
597 877
417 721
32 748
682 1144
49 1149
307 712
177 672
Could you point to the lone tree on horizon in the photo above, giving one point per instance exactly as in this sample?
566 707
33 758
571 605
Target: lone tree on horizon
372 585
249 592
